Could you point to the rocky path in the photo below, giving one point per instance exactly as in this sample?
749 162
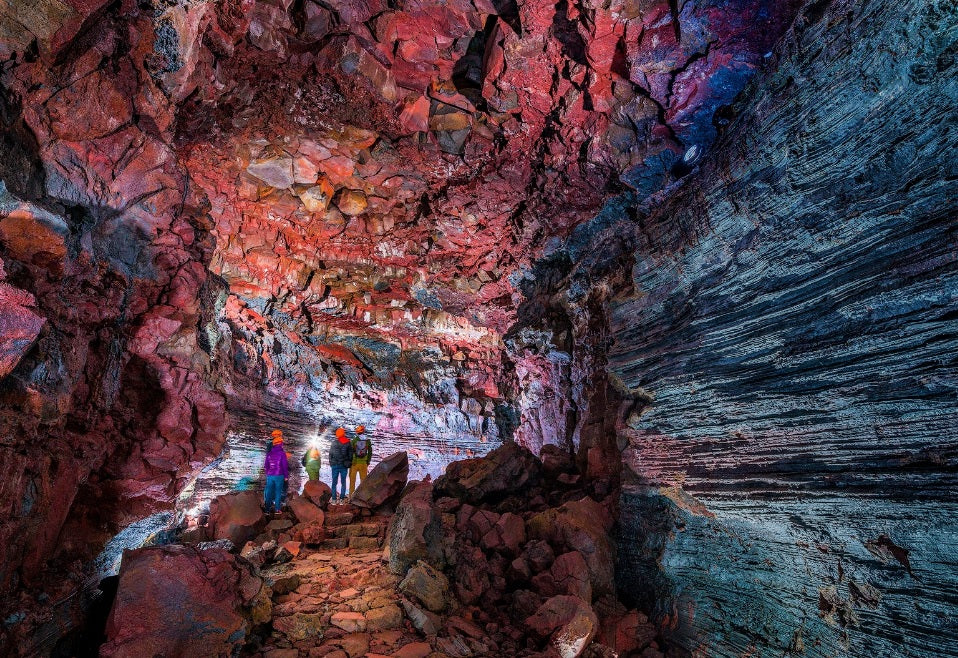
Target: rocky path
338 600
506 555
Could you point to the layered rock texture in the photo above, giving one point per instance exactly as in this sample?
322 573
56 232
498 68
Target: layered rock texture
779 327
576 225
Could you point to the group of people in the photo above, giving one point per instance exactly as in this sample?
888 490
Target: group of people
346 455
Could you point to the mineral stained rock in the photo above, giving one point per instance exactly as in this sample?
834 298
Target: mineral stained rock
470 222
178 600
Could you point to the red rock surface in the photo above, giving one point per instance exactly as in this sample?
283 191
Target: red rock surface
332 204
177 600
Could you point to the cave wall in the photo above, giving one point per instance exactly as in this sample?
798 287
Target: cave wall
106 408
789 331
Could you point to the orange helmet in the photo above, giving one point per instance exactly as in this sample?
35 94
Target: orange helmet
340 432
360 429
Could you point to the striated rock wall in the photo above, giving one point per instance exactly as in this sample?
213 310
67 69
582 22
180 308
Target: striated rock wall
787 337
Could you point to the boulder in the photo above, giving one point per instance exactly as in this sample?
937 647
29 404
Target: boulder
428 586
415 531
583 526
318 492
236 516
570 574
384 483
568 622
179 600
507 535
508 469
422 620
305 510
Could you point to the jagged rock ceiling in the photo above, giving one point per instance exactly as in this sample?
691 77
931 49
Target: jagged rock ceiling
333 203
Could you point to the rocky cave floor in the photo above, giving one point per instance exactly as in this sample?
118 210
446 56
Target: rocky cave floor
505 555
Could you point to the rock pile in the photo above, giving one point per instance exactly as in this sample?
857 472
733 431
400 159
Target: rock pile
520 563
523 554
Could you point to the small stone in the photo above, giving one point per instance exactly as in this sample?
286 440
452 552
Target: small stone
351 202
354 644
413 650
351 622
300 626
379 619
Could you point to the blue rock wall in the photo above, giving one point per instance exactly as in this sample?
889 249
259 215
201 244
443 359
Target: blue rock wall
791 338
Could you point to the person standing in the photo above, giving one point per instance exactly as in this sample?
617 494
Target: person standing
340 459
312 462
362 455
277 470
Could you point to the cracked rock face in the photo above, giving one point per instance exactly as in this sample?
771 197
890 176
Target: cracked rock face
330 204
466 222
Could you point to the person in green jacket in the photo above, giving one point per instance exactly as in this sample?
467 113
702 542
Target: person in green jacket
312 463
362 455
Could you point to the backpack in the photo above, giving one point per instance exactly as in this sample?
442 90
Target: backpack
362 447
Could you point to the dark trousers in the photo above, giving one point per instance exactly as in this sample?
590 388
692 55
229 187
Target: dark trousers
339 475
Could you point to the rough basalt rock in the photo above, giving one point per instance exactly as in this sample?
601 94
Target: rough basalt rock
414 530
237 516
384 483
769 381
179 600
506 470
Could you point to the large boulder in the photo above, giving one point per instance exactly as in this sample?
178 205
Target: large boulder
305 510
506 470
236 516
318 492
384 483
415 531
428 586
568 622
583 526
182 601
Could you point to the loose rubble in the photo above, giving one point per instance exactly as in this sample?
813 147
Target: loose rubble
435 575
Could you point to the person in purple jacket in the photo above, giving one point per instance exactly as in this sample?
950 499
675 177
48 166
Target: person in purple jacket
277 470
